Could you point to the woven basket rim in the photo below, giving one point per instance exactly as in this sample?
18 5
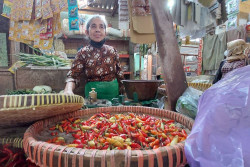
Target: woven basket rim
16 142
30 140
22 109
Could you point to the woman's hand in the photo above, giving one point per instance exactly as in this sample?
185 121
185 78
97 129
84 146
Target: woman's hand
70 86
68 92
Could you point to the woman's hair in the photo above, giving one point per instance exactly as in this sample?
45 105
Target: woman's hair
88 22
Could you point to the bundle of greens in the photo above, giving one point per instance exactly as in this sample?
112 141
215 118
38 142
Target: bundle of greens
20 92
43 60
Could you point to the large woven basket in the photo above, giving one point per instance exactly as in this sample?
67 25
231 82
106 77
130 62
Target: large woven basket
47 154
16 110
12 136
13 142
199 86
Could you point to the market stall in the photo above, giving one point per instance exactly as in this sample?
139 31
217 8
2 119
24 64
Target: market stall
124 82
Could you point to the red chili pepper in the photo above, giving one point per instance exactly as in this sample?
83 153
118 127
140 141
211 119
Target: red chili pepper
128 122
143 133
80 146
132 115
77 141
151 139
91 136
76 136
126 129
114 126
105 147
156 142
134 122
144 118
184 133
52 128
15 156
123 136
147 127
142 138
102 130
135 145
168 122
71 120
167 141
176 133
10 152
144 144
98 125
156 146
2 160
135 135
132 128
112 134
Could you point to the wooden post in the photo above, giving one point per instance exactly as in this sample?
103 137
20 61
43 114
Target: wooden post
171 64
149 67
140 65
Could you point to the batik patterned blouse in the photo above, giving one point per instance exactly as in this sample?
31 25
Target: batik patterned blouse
96 64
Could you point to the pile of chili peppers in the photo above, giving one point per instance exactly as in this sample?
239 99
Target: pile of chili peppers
13 157
105 131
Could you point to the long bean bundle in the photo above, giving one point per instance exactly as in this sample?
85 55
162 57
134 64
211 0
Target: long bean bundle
43 60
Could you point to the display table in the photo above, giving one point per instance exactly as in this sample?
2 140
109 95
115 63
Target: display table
27 78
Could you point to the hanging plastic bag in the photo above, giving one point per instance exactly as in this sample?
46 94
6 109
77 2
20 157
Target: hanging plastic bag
220 135
188 102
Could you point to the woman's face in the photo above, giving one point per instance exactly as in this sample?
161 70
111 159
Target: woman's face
97 30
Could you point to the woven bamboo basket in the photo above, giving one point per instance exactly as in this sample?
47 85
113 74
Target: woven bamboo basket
13 142
16 110
47 154
199 86
12 136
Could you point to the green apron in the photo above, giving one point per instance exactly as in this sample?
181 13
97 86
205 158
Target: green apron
105 90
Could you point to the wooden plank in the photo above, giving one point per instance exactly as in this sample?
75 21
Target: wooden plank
174 75
149 67
14 49
55 78
3 50
7 81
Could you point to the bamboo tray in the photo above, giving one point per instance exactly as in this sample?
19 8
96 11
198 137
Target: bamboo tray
47 154
199 86
17 110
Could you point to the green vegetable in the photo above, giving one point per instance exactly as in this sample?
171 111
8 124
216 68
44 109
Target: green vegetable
41 89
112 119
43 59
20 92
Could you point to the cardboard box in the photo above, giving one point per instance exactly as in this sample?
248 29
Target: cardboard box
141 28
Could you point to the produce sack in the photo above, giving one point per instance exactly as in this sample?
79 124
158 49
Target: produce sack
188 102
221 133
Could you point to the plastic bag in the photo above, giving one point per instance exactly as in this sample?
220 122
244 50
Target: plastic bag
220 135
188 102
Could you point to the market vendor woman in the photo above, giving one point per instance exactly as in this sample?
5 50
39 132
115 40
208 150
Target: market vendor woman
98 63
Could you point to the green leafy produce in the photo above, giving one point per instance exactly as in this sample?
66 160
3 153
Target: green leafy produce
20 92
43 59
42 89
